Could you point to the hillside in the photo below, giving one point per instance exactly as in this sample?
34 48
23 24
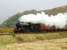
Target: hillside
57 10
12 20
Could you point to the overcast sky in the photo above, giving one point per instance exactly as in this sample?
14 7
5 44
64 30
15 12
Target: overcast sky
11 7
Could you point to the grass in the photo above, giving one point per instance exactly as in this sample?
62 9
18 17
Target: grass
40 44
17 38
6 30
40 36
33 41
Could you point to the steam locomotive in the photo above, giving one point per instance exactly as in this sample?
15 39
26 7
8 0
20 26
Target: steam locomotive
36 27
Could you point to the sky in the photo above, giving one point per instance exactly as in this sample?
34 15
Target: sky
11 7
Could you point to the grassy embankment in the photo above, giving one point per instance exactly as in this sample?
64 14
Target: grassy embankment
8 38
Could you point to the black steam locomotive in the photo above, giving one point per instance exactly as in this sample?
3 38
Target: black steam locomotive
26 27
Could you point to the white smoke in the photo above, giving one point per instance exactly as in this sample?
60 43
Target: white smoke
59 20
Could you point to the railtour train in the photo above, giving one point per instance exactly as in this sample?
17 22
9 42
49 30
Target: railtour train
38 27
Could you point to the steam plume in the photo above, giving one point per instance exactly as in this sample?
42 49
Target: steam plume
59 20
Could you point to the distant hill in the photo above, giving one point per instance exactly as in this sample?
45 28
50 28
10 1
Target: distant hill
57 10
10 22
